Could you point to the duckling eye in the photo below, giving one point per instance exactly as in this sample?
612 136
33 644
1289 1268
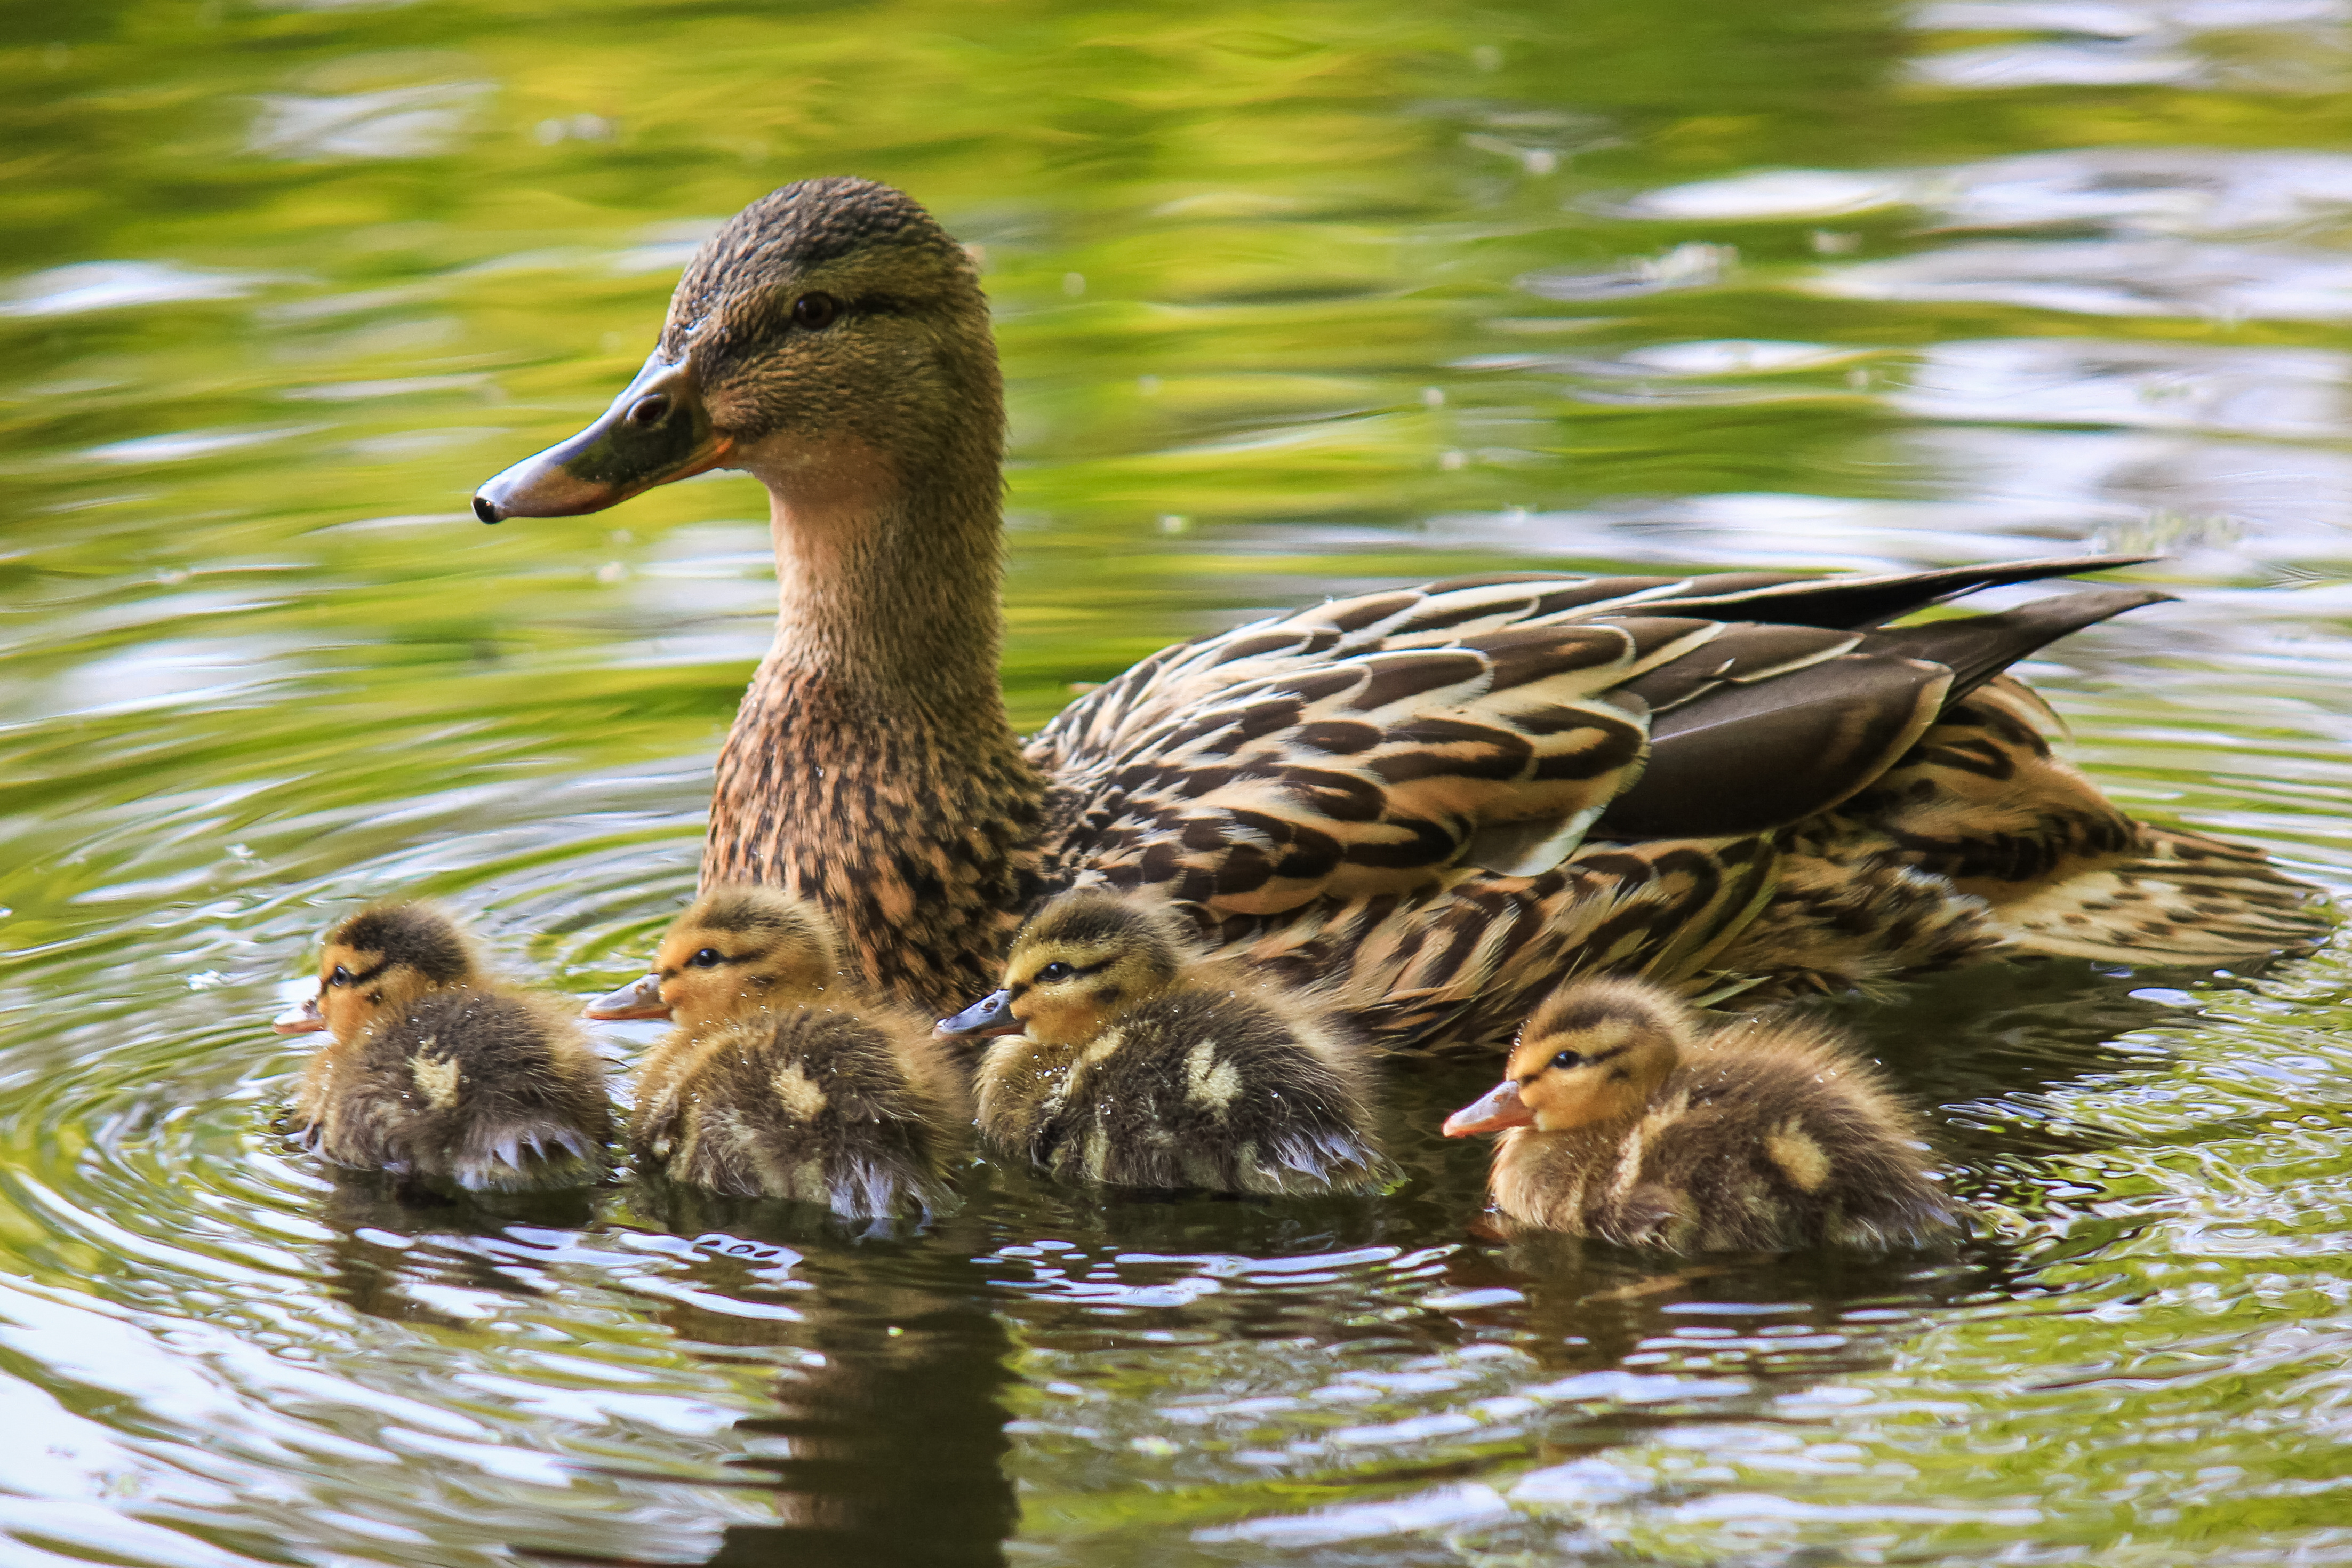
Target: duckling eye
1567 1059
708 958
340 976
814 311
1056 970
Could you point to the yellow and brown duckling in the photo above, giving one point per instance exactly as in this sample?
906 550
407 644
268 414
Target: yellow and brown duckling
1623 1119
784 1079
1125 1059
435 1073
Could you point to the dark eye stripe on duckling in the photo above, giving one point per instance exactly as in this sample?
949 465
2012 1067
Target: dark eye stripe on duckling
1594 1060
1077 971
363 977
718 961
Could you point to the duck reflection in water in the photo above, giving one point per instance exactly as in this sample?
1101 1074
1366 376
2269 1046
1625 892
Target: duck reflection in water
886 1444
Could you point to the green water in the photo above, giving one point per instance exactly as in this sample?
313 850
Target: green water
1294 300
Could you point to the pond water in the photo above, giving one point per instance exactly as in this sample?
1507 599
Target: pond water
1294 299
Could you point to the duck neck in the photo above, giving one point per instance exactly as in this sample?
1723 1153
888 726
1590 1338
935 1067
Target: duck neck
871 767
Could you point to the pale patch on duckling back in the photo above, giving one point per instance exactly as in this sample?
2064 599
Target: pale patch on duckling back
1802 1161
436 1076
799 1093
1210 1081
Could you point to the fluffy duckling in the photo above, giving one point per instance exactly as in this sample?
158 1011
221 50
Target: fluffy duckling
1621 1120
434 1073
783 1079
1126 1060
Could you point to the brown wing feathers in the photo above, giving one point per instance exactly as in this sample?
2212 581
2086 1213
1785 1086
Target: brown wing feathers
1380 771
1389 793
1802 734
1183 678
1373 772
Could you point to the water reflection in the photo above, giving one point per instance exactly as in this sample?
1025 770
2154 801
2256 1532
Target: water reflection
2151 277
2237 43
398 122
2180 192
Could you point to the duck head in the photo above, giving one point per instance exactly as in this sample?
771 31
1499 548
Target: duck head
1082 960
830 339
1593 1052
376 964
734 952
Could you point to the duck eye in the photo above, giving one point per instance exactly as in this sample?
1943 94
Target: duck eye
340 976
1567 1059
708 958
1056 970
647 412
814 311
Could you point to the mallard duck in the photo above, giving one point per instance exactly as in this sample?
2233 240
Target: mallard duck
437 1074
1622 1120
1432 800
1123 1059
783 1079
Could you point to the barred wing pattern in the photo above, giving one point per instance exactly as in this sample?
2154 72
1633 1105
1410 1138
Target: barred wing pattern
1388 744
1389 797
1184 677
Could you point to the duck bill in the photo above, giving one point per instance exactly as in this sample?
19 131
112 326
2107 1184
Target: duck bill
657 431
640 998
1492 1112
991 1014
302 1018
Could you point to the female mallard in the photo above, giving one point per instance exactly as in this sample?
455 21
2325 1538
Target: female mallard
780 1080
1622 1120
1122 1059
435 1074
1433 800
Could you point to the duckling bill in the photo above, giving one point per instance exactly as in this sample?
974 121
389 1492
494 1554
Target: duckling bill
1123 1059
783 1079
1623 1121
435 1073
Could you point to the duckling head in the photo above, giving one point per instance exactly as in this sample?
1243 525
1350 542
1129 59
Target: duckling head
735 950
376 964
1594 1051
1082 960
829 334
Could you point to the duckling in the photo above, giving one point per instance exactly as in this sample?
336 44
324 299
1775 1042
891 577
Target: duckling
435 1073
1621 1120
1127 1060
783 1079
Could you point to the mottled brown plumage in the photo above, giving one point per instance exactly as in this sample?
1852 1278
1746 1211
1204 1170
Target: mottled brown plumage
435 1073
1505 770
1132 1063
1622 1120
784 1078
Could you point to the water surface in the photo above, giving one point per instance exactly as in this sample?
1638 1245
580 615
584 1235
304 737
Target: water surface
1294 300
